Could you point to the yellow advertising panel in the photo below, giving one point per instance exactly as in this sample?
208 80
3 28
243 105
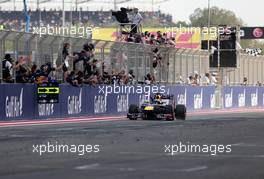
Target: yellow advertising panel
184 39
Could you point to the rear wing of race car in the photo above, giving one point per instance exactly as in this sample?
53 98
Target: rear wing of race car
163 96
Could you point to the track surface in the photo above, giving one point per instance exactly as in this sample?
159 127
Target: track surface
135 149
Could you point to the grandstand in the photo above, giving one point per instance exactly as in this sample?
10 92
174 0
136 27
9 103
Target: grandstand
77 13
14 20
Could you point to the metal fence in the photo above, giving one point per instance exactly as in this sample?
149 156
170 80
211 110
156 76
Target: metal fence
176 64
250 67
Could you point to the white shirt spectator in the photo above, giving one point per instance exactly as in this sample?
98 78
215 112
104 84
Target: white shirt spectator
213 80
206 81
137 18
8 65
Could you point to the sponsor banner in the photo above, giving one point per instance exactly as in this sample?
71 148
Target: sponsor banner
180 94
239 97
194 98
209 98
2 103
228 93
72 101
252 32
252 96
19 101
261 97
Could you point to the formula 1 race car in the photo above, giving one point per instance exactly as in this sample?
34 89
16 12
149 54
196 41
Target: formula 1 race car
160 107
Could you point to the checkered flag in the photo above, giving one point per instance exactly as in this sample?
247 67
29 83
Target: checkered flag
253 51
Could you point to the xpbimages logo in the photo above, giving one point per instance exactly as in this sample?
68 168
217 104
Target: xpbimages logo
65 148
212 150
137 89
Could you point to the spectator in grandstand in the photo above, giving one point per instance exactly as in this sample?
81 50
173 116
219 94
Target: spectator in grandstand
171 42
197 78
130 38
138 38
259 83
96 65
179 79
106 78
86 56
66 56
75 79
131 77
146 37
33 73
136 21
70 78
206 79
152 40
213 79
89 48
159 39
190 80
245 81
149 79
93 79
7 66
121 77
157 59
22 73
42 75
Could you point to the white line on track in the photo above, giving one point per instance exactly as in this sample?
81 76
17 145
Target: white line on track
194 169
71 121
23 123
87 167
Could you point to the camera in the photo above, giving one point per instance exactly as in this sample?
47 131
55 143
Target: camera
121 16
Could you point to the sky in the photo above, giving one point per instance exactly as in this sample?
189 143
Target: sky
250 11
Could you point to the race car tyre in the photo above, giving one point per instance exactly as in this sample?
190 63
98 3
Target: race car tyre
180 112
169 110
158 109
133 109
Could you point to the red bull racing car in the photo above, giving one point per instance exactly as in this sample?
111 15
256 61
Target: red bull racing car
160 107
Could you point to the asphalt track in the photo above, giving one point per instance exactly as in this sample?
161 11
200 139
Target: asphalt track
136 149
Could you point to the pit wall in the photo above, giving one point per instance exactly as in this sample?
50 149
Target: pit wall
18 101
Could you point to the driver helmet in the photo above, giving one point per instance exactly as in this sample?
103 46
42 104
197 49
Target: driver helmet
157 97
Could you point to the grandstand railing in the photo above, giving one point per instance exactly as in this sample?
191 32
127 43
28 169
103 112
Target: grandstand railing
176 65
